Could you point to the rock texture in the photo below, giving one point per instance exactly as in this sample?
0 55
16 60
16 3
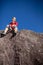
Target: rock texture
26 48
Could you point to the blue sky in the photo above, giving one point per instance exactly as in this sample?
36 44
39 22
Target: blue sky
29 14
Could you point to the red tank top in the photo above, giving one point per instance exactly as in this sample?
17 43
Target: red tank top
12 25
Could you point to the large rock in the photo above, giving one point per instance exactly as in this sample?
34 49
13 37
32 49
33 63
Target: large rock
28 45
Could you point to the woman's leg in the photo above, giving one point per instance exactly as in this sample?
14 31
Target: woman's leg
16 29
6 29
13 34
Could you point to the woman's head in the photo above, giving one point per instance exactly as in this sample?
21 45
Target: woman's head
14 19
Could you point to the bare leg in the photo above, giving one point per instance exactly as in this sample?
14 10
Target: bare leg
5 31
16 30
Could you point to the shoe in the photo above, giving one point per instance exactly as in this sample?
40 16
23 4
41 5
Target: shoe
2 35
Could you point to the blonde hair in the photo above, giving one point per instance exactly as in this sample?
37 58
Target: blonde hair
14 18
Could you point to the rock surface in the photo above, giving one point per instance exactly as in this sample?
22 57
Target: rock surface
28 45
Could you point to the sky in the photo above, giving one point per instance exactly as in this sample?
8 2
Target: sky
29 14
